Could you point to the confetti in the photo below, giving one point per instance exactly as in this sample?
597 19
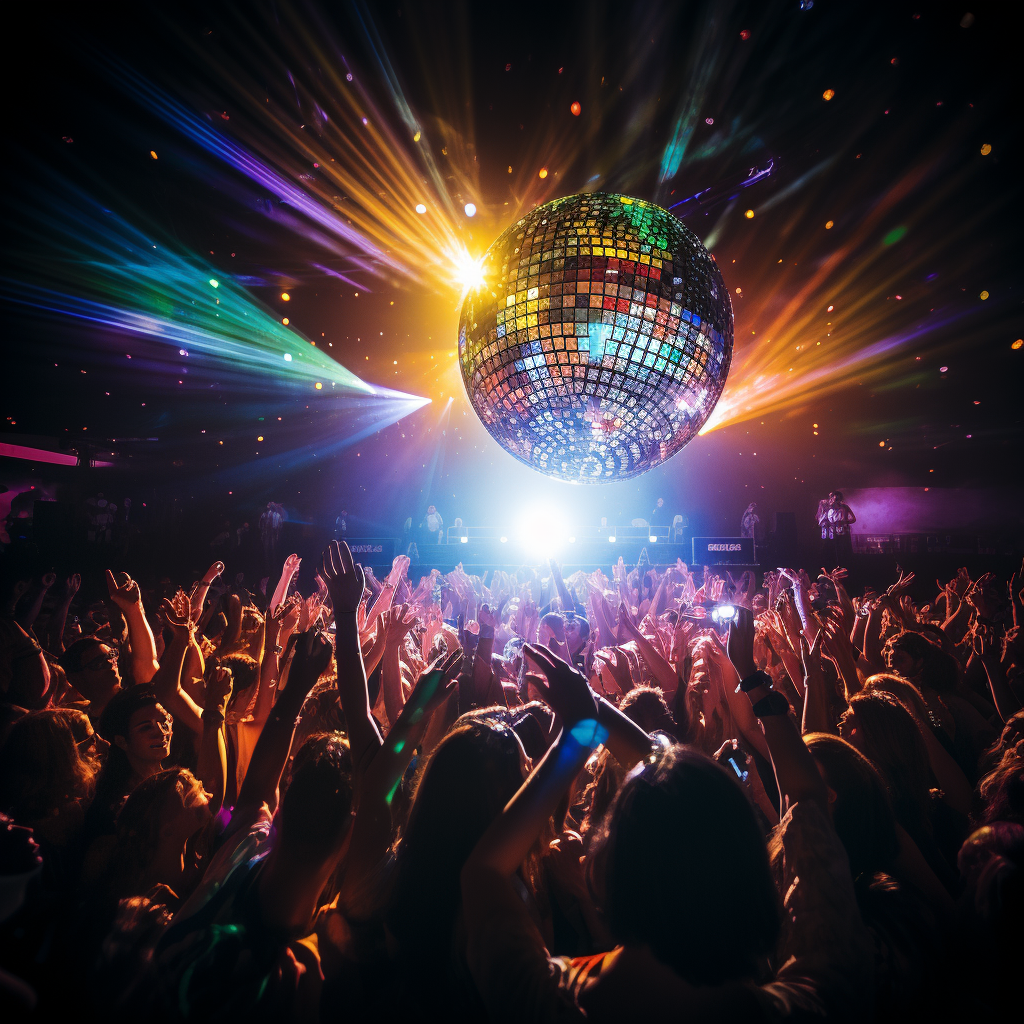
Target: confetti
420 208
470 212
830 308
575 108
744 34
943 369
1019 343
829 93
152 153
749 215
285 321
986 149
416 137
285 297
260 438
542 173
709 120
348 77
828 225
287 357
319 386
983 296
214 283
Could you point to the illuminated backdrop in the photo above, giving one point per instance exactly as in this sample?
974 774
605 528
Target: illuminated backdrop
599 338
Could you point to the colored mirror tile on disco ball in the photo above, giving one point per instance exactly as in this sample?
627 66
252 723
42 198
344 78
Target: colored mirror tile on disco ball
600 340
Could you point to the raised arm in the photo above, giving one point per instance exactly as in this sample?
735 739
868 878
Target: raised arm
312 656
167 678
344 579
212 762
29 612
202 588
55 628
795 771
125 593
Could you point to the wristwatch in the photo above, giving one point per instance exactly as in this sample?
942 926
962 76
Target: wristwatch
754 680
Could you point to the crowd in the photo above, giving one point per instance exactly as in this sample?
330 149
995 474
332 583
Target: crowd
656 794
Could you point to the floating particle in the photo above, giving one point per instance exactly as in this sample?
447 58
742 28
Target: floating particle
508 67
182 352
152 153
977 401
899 298
416 137
285 297
815 425
881 444
284 320
365 121
318 386
829 93
749 215
1019 343
983 296
214 283
509 168
260 438
287 357
709 120
895 61
575 108
470 212
744 34
420 208
986 149
542 173
943 369
348 77
828 225
739 291
830 308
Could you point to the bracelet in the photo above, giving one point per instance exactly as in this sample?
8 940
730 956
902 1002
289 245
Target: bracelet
773 704
589 733
278 648
753 681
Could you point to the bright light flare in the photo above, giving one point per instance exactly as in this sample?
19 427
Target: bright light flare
468 273
542 530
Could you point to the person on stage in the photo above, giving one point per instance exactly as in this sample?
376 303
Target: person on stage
433 526
835 518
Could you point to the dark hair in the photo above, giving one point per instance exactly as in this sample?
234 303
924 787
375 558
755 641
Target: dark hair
71 659
862 813
683 868
114 780
118 712
138 829
894 745
466 783
939 670
1002 791
41 769
838 494
646 706
316 808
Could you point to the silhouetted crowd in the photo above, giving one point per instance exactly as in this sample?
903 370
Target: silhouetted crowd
656 794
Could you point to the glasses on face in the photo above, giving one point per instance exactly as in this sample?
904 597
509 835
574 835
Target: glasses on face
108 658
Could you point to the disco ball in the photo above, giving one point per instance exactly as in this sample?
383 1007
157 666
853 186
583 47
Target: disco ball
600 340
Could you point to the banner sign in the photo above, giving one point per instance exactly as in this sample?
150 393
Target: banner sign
378 549
723 551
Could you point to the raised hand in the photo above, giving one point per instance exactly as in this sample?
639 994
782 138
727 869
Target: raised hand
312 656
71 587
741 643
291 567
618 666
564 689
177 618
219 682
344 578
213 572
123 590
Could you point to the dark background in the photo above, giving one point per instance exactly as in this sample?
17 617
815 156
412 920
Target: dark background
917 94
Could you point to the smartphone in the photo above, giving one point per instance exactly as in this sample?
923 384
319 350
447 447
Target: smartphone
740 774
724 612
